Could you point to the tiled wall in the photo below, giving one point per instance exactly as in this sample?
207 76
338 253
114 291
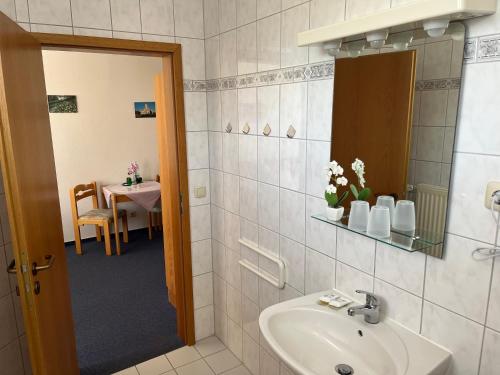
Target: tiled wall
178 21
265 189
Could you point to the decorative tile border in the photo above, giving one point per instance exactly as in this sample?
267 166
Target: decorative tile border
482 49
302 73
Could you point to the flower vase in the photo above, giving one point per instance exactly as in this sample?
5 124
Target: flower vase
334 213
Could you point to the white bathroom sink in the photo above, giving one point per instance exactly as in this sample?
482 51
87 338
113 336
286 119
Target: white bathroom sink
313 339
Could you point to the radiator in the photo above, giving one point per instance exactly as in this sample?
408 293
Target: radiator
430 210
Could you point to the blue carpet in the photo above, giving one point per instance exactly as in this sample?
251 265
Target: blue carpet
120 305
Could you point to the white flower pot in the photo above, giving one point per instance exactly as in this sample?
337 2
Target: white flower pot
334 214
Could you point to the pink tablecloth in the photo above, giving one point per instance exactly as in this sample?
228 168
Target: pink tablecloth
145 194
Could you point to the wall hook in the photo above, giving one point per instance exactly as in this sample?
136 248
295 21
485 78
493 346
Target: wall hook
267 130
291 132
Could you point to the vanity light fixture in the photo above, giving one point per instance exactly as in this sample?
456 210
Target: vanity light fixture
401 41
377 38
332 47
354 49
436 27
456 32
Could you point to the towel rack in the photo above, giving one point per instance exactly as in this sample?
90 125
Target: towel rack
278 282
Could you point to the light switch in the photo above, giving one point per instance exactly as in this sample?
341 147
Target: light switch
200 192
490 190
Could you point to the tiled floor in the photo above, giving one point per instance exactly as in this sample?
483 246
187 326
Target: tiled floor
207 357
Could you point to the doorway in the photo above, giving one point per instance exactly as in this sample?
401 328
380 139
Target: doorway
99 135
28 169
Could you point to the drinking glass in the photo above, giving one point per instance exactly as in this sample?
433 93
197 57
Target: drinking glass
358 216
404 216
387 201
379 222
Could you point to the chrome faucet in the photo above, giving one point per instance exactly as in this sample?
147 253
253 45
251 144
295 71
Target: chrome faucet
371 308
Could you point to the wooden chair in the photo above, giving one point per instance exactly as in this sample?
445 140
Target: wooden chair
100 217
154 216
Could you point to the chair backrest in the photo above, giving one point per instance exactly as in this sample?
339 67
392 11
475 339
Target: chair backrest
80 192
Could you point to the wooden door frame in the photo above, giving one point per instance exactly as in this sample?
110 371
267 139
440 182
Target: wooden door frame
173 81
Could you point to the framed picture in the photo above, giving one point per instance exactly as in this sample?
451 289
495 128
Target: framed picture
145 109
62 104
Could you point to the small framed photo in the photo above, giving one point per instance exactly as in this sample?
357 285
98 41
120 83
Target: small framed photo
145 109
62 104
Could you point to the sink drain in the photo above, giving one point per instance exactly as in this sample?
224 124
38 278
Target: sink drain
344 369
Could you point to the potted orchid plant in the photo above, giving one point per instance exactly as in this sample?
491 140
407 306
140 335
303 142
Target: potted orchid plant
335 210
133 172
363 193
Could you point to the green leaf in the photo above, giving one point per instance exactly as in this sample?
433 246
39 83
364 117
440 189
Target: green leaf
364 194
343 197
354 191
331 199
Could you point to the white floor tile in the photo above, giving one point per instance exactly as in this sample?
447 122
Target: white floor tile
196 368
222 361
182 356
241 370
128 371
155 366
208 346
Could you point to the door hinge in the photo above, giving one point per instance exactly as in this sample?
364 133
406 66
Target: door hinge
181 203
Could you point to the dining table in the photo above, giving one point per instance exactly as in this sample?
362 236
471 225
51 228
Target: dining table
146 194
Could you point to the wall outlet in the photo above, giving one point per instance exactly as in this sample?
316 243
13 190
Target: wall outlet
200 192
490 190
133 214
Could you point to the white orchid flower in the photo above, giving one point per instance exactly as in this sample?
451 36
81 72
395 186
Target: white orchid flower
341 181
331 189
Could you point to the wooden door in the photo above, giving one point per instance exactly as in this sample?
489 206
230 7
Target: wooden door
32 201
372 113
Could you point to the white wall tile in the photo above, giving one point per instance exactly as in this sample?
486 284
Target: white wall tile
269 214
231 193
248 156
399 305
212 65
220 322
157 17
7 317
250 316
294 20
193 63
293 254
490 361
204 322
203 290
229 108
268 160
268 294
51 12
91 13
348 280
292 211
452 280
459 335
251 351
220 286
293 164
233 269
320 236
320 272
247 48
267 7
228 54
227 15
268 43
356 251
21 10
246 11
232 230
230 156
214 111
433 107
406 270
201 254
217 221
125 15
268 99
326 12
319 110
248 199
219 259
200 222
8 7
437 59
293 110
247 109
197 144
234 304
211 17
250 286
189 18
318 156
195 111
359 8
493 319
215 142
235 338
430 143
269 365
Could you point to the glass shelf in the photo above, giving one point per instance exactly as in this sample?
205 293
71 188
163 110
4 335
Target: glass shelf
408 241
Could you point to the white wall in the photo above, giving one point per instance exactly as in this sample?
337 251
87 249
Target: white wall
98 142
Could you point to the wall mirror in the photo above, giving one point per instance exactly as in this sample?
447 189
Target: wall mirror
395 108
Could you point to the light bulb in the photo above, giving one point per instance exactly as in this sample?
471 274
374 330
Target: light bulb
436 27
332 47
377 38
